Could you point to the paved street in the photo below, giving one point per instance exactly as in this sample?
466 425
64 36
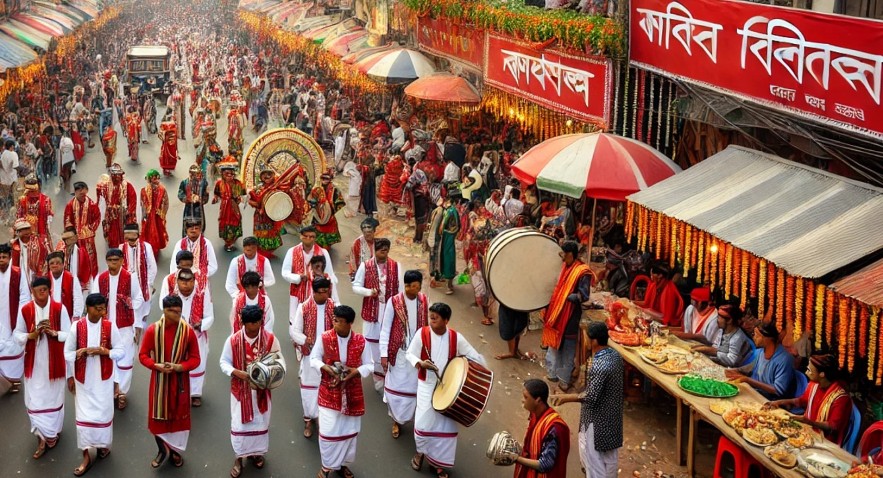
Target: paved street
209 452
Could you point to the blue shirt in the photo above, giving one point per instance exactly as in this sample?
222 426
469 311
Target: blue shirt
777 371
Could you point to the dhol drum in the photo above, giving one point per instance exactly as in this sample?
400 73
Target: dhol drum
278 205
502 449
463 390
522 266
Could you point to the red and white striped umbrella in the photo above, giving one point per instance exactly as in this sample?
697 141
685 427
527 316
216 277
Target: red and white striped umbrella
599 165
397 65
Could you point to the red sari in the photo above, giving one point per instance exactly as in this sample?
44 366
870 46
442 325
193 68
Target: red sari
667 301
153 226
168 153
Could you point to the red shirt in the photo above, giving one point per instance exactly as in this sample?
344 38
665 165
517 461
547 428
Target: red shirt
667 302
832 406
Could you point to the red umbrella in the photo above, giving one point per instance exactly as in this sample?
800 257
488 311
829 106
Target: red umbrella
444 87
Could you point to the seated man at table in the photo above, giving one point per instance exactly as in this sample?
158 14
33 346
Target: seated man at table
700 318
662 296
731 346
827 404
772 374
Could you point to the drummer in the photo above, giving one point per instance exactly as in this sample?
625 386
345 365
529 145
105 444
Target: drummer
430 351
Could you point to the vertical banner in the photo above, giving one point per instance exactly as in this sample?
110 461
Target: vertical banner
451 40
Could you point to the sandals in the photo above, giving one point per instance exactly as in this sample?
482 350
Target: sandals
323 473
417 462
396 430
345 472
91 454
103 453
161 457
258 461
237 468
122 401
308 428
196 402
441 473
41 449
487 321
177 459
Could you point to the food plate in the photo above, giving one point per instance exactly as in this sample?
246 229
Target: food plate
866 470
707 388
803 439
819 463
652 357
782 455
788 428
674 366
761 437
719 407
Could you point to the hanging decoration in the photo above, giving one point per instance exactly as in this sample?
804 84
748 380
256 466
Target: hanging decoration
542 122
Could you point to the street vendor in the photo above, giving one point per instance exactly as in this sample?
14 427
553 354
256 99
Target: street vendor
700 318
732 345
827 404
772 373
662 296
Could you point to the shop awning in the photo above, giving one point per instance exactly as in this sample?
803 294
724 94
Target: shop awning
14 53
75 15
27 35
865 285
42 23
804 220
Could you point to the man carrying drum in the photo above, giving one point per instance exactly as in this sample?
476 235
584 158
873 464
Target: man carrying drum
430 351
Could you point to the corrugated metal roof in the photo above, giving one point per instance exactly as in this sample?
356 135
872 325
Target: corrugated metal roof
804 220
865 285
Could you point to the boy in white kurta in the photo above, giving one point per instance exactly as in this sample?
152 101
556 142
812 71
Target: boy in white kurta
404 315
15 292
432 348
252 295
249 407
204 259
311 320
41 330
198 311
342 358
91 348
139 259
249 260
296 268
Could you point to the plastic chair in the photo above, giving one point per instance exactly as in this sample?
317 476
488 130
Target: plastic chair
855 425
734 462
871 440
639 281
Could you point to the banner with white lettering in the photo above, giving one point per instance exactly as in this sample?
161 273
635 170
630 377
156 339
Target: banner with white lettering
823 67
452 40
576 85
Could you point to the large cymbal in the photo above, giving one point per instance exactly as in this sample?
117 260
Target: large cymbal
280 149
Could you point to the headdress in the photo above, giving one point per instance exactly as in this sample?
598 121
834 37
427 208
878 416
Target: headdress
116 169
22 224
152 174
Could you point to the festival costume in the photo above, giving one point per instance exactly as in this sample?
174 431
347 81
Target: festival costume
261 300
434 433
242 264
133 134
93 379
340 408
168 152
310 321
204 259
250 409
168 413
15 293
267 231
402 319
78 262
667 301
38 211
387 279
109 145
85 218
124 298
122 203
197 309
559 311
229 215
66 291
446 237
235 126
361 251
537 430
832 405
326 202
193 210
154 205
26 257
393 183
295 268
44 367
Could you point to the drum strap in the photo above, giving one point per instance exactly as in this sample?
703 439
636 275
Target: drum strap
426 351
243 354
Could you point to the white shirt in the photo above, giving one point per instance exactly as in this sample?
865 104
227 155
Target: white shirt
232 282
41 314
389 316
439 349
359 282
8 163
452 173
269 317
208 311
296 331
135 258
297 278
8 345
318 354
135 293
210 250
78 295
227 354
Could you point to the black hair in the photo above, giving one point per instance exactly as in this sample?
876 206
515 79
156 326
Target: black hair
537 388
251 278
250 241
442 309
321 283
599 332
570 247
183 256
55 254
113 252
382 243
40 281
251 314
172 301
95 299
306 229
80 185
186 274
413 276
5 248
345 312
317 259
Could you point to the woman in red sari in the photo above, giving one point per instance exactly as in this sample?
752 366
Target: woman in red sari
168 153
229 192
267 231
154 206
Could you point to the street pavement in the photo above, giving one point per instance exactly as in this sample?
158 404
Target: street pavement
209 452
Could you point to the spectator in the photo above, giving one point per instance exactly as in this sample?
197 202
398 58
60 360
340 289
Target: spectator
772 373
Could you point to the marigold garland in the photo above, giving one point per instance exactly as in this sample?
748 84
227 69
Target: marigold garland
789 300
851 342
689 248
820 315
770 288
810 316
842 330
863 319
800 311
737 272
780 298
746 271
761 288
728 271
713 260
755 280
874 346
830 305
721 265
654 228
700 256
629 219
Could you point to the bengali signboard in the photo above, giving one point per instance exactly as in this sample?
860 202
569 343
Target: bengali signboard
451 40
576 85
824 67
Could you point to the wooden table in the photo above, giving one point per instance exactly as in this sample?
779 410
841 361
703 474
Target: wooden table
692 408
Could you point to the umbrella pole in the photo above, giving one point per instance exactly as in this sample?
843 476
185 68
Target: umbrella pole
591 232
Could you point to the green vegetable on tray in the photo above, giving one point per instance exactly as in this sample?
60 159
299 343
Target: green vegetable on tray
707 387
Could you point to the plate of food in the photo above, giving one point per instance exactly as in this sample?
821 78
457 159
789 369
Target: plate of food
707 388
653 357
675 365
819 463
788 428
720 406
866 470
803 439
782 454
760 436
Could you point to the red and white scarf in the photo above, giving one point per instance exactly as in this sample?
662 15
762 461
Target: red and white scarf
83 342
14 294
138 265
426 351
200 256
197 308
298 266
56 348
240 304
371 305
67 291
331 396
242 268
401 323
125 314
311 317
244 354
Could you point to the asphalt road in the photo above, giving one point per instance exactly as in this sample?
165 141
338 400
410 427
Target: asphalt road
209 452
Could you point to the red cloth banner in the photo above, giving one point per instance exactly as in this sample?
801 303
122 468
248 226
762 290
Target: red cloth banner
576 85
823 67
451 40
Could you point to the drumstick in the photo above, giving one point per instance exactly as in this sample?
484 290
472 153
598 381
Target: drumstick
425 349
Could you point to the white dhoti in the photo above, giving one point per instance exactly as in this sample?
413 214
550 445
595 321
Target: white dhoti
44 398
309 389
177 441
434 433
400 389
293 302
337 438
12 364
94 406
123 368
371 331
253 438
197 375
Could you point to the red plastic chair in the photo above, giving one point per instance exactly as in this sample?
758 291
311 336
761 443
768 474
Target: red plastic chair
640 280
871 440
734 462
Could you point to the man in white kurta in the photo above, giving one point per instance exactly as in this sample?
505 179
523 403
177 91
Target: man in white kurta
65 287
434 433
169 283
41 331
122 305
139 260
377 280
249 408
295 268
249 260
252 295
341 399
204 259
16 292
93 342
197 309
311 320
405 313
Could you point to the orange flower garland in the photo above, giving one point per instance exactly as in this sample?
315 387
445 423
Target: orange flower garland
853 316
780 299
770 287
700 256
820 315
689 249
842 330
713 259
874 347
629 219
863 319
761 288
737 272
829 316
810 308
797 308
753 276
728 271
745 268
674 250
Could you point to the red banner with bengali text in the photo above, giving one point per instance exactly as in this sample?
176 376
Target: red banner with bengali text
576 85
451 40
824 67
